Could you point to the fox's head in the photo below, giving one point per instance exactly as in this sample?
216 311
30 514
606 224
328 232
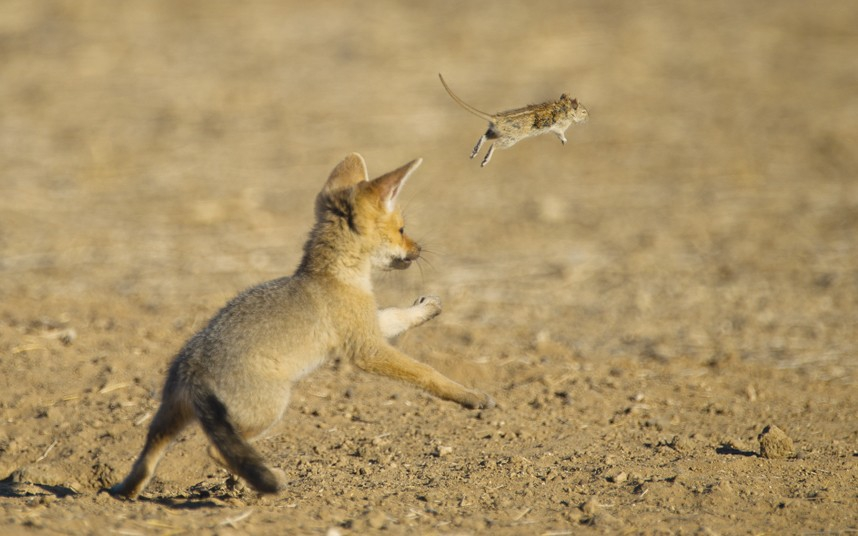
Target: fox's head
363 215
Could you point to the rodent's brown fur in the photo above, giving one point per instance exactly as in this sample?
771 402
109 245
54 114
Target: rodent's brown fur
508 128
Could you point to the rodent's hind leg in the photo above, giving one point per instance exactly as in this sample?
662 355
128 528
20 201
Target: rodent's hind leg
488 155
479 144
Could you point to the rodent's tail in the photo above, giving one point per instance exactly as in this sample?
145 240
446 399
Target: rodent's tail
465 105
241 457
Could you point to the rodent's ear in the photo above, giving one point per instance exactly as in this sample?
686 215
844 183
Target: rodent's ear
351 171
388 186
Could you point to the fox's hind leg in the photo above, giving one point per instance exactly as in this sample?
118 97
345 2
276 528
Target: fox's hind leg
171 418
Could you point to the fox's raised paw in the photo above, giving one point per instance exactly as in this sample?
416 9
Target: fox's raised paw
431 306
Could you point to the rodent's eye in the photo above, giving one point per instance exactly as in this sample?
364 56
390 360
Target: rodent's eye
402 230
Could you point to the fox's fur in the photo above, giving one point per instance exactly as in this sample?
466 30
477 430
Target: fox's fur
235 376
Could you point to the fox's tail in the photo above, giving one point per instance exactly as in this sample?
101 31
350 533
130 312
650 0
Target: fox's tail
240 455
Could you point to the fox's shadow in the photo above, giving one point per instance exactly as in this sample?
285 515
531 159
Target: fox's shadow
11 488
198 496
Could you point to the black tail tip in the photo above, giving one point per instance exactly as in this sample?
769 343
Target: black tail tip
263 480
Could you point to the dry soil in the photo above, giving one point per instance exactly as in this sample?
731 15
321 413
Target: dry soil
642 302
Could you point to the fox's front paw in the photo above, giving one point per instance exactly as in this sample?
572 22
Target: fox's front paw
478 400
430 305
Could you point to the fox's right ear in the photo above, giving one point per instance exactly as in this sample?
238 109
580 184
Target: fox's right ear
388 186
351 171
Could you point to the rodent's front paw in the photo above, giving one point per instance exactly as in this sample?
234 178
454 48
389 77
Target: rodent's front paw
430 304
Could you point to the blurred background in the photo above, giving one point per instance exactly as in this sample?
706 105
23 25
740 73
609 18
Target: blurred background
640 301
157 152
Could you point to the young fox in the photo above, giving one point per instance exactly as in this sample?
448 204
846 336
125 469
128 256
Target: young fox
236 374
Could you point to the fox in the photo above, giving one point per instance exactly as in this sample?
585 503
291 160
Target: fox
235 376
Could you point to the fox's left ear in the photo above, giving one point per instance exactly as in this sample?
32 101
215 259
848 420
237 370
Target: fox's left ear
388 186
351 171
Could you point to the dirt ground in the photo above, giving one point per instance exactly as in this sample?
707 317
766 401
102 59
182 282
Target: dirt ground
642 302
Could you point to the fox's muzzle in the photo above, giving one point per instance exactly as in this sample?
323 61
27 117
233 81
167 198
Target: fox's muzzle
401 263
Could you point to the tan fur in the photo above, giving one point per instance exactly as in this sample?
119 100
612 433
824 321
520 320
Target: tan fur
510 127
235 376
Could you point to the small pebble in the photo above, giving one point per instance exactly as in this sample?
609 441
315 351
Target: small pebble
591 507
442 451
618 478
376 520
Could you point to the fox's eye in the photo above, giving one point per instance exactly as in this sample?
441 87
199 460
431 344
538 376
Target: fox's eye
402 230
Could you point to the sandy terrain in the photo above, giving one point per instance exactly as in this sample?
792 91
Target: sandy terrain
642 302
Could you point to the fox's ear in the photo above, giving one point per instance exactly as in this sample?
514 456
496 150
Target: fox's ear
351 171
388 186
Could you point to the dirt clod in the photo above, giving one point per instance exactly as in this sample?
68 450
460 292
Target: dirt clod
775 444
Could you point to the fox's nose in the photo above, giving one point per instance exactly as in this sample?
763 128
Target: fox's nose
414 252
